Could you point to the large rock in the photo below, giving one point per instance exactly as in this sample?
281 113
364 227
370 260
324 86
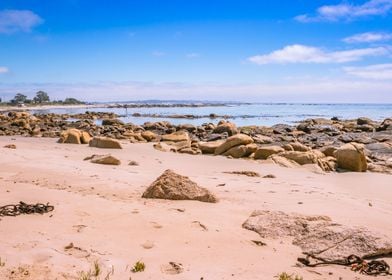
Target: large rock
318 234
241 151
232 141
177 187
265 152
74 136
105 142
351 157
209 147
177 136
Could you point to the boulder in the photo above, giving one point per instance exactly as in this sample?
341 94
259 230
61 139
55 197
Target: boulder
351 157
112 122
266 151
173 186
301 157
262 139
299 147
232 141
282 161
105 159
328 151
74 136
209 147
228 127
149 135
177 136
105 143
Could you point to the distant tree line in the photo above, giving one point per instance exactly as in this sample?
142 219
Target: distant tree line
40 97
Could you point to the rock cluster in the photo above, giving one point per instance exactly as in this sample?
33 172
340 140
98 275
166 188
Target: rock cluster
354 145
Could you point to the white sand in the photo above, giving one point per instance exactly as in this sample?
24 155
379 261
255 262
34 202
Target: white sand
99 208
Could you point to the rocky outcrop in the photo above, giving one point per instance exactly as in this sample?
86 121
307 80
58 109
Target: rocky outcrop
351 157
317 234
173 186
105 143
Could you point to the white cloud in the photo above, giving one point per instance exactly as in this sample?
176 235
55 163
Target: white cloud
12 21
346 11
309 54
158 53
368 37
3 70
192 55
373 72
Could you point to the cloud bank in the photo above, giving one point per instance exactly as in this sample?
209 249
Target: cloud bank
373 72
309 54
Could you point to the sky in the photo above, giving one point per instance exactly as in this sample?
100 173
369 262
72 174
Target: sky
257 51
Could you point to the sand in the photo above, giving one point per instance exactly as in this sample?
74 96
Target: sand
99 209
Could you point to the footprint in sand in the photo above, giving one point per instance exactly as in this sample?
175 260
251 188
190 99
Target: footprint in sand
156 225
200 225
148 244
172 268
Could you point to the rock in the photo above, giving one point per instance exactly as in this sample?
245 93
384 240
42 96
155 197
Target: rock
228 127
10 146
363 121
178 136
282 161
262 139
133 163
164 147
245 173
190 151
237 151
327 164
301 157
351 157
74 136
385 125
299 147
105 159
149 135
209 147
112 122
328 151
232 141
317 234
105 142
266 151
177 187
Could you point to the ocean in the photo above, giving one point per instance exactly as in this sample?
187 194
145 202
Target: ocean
244 113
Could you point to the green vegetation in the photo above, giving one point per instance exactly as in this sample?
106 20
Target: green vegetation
286 276
40 98
139 267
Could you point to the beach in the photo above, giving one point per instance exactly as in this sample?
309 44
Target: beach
99 209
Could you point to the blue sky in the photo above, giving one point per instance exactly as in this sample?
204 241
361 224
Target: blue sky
264 51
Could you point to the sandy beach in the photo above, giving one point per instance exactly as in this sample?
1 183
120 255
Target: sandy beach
99 209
